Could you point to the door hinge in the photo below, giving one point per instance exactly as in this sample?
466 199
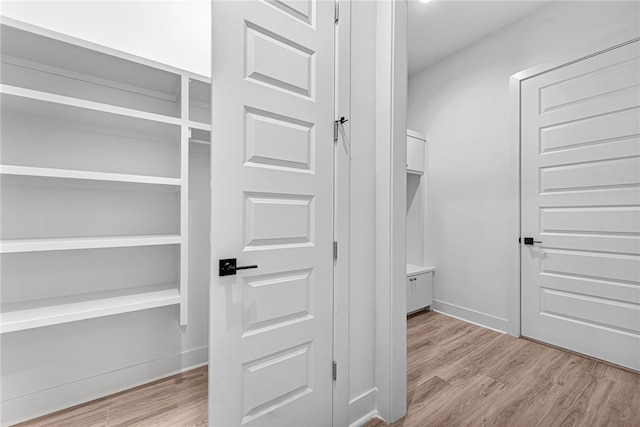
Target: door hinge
336 15
335 250
335 371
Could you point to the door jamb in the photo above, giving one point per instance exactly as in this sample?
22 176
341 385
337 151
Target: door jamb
515 85
391 193
342 214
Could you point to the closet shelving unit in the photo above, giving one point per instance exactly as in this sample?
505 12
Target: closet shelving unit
94 176
419 274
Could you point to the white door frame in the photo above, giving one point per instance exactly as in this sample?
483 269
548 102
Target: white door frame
391 194
342 214
390 289
515 84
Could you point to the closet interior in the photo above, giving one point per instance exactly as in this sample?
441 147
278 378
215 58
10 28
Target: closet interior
95 179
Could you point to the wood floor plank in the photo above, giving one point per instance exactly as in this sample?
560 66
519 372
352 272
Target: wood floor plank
486 354
92 414
168 402
519 403
464 403
430 394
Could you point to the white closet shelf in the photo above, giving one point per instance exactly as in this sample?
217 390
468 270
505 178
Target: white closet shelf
88 121
200 136
88 105
35 44
52 311
199 141
88 176
74 243
199 126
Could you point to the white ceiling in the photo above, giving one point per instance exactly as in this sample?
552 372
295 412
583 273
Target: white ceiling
441 27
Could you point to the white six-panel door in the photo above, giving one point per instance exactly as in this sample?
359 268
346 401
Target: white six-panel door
272 194
580 138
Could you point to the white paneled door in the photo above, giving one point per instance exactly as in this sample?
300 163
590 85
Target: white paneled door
580 135
271 332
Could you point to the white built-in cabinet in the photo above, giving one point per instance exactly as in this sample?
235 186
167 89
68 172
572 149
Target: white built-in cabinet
419 288
419 274
94 167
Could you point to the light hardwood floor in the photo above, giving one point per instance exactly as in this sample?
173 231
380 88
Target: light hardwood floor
458 375
464 375
180 400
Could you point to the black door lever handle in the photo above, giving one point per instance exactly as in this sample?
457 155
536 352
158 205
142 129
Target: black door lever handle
228 267
530 241
246 267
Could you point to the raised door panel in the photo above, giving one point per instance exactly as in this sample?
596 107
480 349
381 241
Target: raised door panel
277 61
278 142
299 9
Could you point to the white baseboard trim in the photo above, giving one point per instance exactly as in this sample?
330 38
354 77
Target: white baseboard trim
362 408
44 402
362 421
485 320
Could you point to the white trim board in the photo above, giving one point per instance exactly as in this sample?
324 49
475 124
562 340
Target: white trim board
478 318
360 408
44 402
362 421
515 81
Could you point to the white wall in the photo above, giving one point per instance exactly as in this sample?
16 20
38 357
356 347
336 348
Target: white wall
172 32
54 367
461 103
